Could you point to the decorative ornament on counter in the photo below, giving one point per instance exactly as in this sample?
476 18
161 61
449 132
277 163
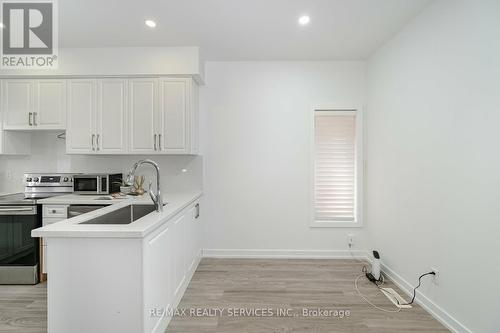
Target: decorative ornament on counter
138 182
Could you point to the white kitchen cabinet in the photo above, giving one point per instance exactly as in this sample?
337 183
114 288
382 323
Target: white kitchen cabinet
50 214
194 234
130 294
155 115
180 255
178 116
34 104
143 116
18 99
171 256
97 117
163 116
174 114
80 132
50 104
12 142
111 131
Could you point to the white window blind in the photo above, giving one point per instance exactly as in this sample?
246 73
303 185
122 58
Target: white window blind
335 166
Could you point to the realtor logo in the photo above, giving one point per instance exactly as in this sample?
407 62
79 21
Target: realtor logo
29 34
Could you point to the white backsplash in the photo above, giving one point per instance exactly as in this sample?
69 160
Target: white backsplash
48 155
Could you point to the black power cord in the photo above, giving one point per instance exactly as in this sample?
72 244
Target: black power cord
415 289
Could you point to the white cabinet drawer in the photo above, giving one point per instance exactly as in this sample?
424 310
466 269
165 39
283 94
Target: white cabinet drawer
60 211
50 220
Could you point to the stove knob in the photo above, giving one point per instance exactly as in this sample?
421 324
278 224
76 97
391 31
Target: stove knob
65 179
28 180
36 179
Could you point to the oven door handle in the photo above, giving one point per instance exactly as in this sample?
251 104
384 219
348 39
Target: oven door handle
17 211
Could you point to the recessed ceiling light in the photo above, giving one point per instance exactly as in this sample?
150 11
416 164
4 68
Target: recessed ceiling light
150 23
303 20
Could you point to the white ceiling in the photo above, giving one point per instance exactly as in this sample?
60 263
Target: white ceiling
237 29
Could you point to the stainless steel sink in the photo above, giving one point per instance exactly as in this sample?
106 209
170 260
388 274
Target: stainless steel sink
124 215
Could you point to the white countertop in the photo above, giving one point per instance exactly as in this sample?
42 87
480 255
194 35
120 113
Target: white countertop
8 193
137 229
81 199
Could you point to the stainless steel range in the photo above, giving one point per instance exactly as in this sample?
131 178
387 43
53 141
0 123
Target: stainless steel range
44 185
19 214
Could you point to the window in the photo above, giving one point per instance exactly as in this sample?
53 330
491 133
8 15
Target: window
337 168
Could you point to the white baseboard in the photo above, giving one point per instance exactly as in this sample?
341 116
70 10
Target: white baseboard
283 254
437 312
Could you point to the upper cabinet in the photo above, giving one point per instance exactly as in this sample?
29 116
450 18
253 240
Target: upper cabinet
143 116
50 104
176 114
111 116
18 103
154 115
133 116
97 117
81 132
34 104
163 116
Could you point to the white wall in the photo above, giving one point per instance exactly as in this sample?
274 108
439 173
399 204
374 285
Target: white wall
122 61
433 172
257 145
48 155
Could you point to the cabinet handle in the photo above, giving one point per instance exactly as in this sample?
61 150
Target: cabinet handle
159 141
197 211
34 119
97 142
29 118
93 137
154 139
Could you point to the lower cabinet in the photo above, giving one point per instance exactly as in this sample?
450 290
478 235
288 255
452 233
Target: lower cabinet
50 214
171 255
124 284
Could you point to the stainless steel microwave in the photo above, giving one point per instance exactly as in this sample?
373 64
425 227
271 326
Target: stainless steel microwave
97 183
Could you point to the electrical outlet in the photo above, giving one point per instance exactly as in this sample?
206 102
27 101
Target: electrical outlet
9 175
435 277
350 240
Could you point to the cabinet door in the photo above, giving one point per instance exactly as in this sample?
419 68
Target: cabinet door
143 115
192 237
111 116
50 106
158 275
80 133
180 256
17 104
174 108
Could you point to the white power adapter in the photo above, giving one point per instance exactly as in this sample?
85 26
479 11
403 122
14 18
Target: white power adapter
374 275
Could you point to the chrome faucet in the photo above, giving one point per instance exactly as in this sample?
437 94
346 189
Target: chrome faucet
157 198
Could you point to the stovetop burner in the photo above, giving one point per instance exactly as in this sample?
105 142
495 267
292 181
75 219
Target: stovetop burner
16 199
39 186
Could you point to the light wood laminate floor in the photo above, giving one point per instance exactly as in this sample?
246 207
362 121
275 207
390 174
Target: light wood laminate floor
23 309
254 284
292 284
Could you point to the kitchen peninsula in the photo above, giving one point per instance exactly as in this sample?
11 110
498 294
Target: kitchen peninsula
110 268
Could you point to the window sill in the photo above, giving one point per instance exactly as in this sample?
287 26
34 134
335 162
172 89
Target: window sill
334 224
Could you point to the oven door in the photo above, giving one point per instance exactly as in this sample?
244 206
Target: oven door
17 247
87 184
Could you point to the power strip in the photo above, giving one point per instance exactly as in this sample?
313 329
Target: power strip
394 297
